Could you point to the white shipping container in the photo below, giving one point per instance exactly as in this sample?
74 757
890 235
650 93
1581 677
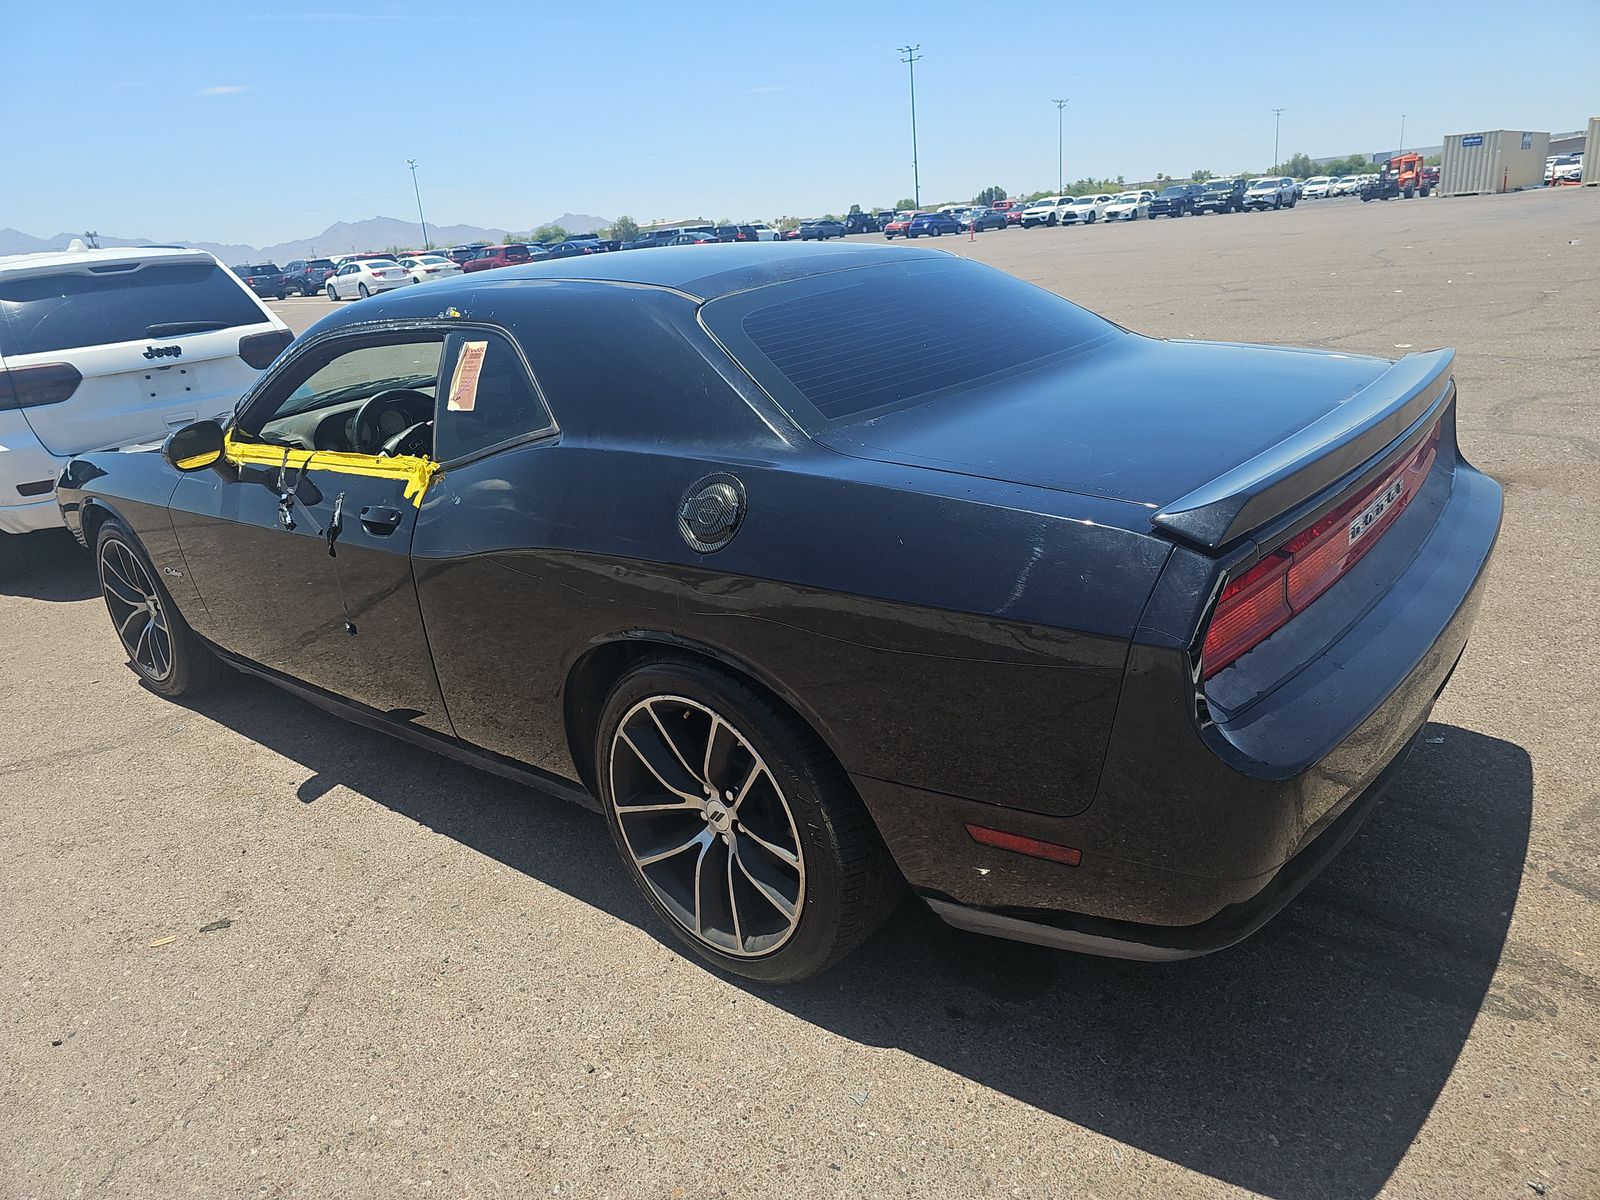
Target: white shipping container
1496 160
1591 152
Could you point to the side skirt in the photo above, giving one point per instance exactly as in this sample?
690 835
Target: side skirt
462 752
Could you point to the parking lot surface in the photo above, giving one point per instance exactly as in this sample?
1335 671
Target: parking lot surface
248 949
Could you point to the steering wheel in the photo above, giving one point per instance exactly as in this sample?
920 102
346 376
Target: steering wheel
366 436
416 441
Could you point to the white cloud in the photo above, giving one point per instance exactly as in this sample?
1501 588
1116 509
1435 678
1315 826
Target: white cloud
227 89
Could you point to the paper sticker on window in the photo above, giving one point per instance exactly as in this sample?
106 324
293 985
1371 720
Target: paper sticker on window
464 383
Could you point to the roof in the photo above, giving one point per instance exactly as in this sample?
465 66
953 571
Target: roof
704 272
45 260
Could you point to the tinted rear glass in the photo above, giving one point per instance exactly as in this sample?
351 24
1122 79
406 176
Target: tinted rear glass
42 313
838 348
264 269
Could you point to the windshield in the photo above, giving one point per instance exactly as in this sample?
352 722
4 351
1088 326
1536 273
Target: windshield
1176 189
1264 185
1126 197
42 313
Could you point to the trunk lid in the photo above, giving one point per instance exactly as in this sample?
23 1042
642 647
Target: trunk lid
1139 420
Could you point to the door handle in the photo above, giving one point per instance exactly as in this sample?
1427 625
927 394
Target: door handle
380 520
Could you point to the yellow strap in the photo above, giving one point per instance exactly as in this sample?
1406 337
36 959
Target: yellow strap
417 473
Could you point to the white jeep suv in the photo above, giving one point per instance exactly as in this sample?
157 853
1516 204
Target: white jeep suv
1045 212
108 348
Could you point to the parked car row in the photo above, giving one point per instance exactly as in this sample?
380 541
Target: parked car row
1563 168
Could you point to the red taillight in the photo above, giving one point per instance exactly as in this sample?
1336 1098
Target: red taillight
1018 844
1261 601
33 387
259 349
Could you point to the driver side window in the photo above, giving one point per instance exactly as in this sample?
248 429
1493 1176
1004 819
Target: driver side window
314 404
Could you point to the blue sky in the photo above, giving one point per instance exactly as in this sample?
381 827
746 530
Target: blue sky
246 121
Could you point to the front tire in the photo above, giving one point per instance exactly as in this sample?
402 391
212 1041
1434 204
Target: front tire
170 659
736 823
361 290
333 294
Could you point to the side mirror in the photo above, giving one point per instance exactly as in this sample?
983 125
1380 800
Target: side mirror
194 447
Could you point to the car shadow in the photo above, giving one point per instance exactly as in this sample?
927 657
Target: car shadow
47 566
1301 1063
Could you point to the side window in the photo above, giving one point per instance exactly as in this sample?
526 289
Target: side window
485 396
313 404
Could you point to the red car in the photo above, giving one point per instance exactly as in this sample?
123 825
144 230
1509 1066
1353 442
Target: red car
511 255
1012 210
898 226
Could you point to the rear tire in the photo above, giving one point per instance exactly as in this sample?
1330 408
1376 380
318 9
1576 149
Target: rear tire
754 779
168 656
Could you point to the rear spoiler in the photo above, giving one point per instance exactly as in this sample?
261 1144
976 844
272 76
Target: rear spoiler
1303 464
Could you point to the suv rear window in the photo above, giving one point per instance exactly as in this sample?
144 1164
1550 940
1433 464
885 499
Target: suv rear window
833 349
42 313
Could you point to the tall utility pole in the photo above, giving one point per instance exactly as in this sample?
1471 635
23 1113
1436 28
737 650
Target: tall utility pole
1061 154
412 163
909 57
1277 119
1402 146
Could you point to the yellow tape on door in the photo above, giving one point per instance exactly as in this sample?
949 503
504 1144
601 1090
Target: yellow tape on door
416 473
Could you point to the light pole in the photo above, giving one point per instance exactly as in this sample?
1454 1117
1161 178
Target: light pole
910 57
1402 147
1277 119
423 221
1061 155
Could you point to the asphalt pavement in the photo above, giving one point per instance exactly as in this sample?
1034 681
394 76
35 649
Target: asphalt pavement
247 949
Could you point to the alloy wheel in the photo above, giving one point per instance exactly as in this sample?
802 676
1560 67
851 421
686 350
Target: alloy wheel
136 609
707 825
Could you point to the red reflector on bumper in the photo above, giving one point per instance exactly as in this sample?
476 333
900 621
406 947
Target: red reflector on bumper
1018 844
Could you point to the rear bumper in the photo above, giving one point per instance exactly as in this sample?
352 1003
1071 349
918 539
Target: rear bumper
26 464
1204 825
30 518
1165 943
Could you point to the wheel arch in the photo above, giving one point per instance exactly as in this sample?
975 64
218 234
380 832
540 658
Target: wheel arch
592 675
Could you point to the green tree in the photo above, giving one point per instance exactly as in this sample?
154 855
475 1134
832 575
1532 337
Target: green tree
855 208
908 202
1201 176
624 229
1299 165
989 195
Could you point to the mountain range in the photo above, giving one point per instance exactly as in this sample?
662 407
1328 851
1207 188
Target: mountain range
342 237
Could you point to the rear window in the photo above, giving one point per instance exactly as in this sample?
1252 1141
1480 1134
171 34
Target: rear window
839 348
264 269
42 313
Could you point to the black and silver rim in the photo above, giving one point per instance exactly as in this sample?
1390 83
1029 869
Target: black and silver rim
136 609
707 826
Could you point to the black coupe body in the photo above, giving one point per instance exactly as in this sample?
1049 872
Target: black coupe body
823 569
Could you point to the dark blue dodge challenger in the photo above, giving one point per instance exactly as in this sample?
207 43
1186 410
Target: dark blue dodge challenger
823 572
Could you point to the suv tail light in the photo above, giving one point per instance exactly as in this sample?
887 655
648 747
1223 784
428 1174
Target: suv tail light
1263 600
33 387
259 349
